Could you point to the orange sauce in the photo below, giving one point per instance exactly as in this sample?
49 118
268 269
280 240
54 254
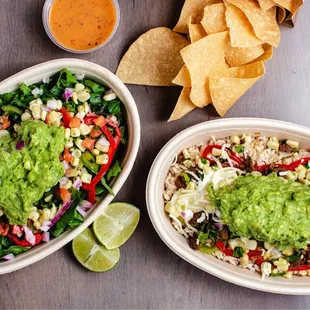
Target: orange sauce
82 24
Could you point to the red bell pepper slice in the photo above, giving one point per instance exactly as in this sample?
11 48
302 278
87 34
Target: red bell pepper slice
259 261
300 268
289 167
66 116
24 242
231 154
254 253
114 144
221 246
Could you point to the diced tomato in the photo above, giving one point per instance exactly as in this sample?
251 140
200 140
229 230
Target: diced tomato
259 260
221 246
4 229
67 156
88 144
66 116
5 122
254 253
65 195
100 121
75 122
47 119
95 133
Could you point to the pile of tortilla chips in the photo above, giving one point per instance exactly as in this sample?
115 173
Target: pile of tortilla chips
229 41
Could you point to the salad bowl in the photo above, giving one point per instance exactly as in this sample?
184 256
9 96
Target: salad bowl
195 135
103 76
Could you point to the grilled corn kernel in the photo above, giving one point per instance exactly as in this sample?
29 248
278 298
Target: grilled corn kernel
301 174
69 144
34 216
53 212
85 130
102 148
288 251
75 97
34 103
67 133
48 198
26 116
308 175
288 275
293 144
102 159
303 273
187 163
36 112
53 116
72 173
78 143
216 152
83 96
37 224
76 153
86 177
273 145
43 115
46 214
80 115
75 132
79 87
1 212
80 108
95 152
56 123
109 97
244 260
282 264
235 139
291 175
186 154
75 161
301 168
86 107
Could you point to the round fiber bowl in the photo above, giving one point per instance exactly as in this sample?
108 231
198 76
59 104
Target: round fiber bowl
176 242
101 75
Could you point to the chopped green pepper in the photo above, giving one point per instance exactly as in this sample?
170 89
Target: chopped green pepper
207 249
11 109
89 161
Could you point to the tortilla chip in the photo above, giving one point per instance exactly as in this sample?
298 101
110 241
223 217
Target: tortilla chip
154 59
240 30
183 78
193 8
290 5
183 106
225 91
203 58
266 4
238 56
264 23
195 31
281 14
214 20
268 53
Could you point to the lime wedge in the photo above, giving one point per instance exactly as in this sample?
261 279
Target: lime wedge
117 223
92 255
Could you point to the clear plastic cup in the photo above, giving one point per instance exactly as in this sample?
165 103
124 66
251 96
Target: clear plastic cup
46 17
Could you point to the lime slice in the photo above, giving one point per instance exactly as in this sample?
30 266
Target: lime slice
92 255
117 223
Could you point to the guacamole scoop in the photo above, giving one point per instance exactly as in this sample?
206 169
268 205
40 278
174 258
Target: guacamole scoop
266 208
26 174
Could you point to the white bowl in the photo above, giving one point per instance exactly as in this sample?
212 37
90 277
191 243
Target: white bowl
104 76
176 242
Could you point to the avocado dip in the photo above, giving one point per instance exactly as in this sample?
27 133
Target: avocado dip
266 208
30 166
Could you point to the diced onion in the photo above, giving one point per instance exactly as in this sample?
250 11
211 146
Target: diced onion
67 94
81 211
8 257
29 236
46 237
77 183
86 204
66 165
20 145
52 104
79 76
37 91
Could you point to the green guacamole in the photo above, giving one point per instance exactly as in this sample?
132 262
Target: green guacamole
25 175
267 209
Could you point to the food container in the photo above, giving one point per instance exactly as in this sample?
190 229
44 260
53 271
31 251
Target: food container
46 17
176 242
102 75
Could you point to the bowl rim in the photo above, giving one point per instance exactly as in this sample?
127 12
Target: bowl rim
45 19
165 233
48 68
